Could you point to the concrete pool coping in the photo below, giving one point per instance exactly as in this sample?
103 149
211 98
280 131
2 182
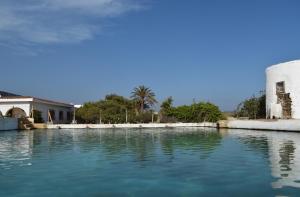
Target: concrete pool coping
107 126
272 125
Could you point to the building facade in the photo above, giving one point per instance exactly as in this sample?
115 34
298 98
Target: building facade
40 110
283 91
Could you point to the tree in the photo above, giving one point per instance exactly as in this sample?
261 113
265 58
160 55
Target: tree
118 109
253 108
262 105
166 106
198 112
88 113
206 112
144 97
112 109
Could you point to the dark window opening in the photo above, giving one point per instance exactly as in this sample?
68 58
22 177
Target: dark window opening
280 88
61 115
68 115
37 116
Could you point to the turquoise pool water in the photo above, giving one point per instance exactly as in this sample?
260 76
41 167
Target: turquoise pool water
149 162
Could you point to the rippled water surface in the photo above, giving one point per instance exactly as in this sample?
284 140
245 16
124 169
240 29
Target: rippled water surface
149 162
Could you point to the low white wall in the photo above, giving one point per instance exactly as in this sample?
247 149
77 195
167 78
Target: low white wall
276 125
8 124
150 125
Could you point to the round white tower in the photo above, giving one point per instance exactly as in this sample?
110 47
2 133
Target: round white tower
283 90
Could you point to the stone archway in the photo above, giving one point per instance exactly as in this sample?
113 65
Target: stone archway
16 113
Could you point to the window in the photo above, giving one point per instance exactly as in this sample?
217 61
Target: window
61 115
280 87
51 116
37 116
68 115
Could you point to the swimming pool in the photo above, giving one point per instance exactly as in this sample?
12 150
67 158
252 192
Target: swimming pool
149 162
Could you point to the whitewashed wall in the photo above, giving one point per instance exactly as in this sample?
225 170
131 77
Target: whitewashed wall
27 106
45 107
288 72
5 107
8 124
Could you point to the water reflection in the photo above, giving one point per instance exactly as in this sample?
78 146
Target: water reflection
283 150
145 144
204 142
15 149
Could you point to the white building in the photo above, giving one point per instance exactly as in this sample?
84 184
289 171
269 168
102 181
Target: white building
41 110
283 90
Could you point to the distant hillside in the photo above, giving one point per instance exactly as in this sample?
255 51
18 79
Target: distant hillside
4 94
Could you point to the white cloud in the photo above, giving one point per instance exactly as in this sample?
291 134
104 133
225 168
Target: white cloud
28 22
97 7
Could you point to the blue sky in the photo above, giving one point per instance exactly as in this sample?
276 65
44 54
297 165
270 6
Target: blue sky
81 50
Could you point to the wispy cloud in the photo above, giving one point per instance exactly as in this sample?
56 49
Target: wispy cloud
34 22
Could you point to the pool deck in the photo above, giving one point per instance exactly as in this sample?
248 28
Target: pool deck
272 125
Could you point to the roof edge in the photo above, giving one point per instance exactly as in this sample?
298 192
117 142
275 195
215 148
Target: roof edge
282 64
34 99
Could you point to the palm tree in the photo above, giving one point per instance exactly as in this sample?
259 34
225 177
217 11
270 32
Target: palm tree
144 97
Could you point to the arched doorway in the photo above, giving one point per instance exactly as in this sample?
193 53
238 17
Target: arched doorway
16 113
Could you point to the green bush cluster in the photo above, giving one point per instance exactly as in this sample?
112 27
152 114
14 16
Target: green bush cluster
253 108
110 110
197 112
113 109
